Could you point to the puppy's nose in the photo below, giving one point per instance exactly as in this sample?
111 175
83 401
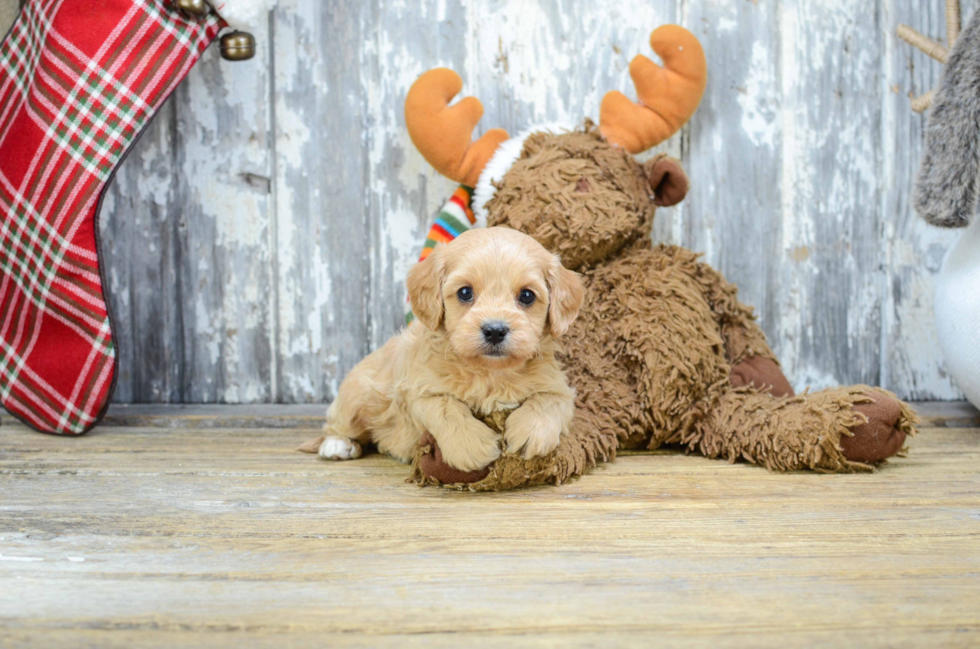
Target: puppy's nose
495 332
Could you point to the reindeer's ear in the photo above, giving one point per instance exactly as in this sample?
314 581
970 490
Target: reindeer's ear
566 295
425 289
667 180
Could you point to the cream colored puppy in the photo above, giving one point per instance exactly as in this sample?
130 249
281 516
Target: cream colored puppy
488 307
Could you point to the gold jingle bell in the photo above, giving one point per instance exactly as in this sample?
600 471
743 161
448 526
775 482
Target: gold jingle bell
193 8
237 46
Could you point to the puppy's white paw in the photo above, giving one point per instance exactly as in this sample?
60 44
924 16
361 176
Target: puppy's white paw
339 448
531 431
469 449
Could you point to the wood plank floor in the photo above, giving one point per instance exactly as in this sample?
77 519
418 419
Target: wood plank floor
166 528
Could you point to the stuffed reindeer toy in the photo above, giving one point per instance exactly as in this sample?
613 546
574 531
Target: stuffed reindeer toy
662 352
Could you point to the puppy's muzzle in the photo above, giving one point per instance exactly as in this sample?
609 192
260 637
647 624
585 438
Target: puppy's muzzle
494 336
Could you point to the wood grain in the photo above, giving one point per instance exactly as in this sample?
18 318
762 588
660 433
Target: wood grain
201 536
258 237
933 414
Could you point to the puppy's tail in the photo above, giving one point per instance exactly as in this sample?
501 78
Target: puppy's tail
311 445
948 183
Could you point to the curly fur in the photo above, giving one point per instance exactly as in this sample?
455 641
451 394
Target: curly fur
584 446
651 354
576 194
441 373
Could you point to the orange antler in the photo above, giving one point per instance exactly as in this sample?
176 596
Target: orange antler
668 95
443 133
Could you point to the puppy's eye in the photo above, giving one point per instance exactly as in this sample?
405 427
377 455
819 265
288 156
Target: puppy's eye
526 297
465 294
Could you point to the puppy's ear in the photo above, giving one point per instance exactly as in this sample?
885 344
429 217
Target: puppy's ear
425 289
567 294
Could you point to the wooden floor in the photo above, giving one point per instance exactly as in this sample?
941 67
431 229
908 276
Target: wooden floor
196 527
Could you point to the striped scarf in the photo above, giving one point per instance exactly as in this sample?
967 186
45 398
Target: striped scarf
454 218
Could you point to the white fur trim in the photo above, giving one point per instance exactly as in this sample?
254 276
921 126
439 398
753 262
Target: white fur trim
503 159
244 14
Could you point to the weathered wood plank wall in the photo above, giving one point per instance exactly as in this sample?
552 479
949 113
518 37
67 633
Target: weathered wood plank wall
259 236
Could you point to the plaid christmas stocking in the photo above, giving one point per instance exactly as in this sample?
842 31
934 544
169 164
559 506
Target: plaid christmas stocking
79 81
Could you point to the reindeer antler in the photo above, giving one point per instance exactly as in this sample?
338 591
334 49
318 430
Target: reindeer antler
443 133
668 95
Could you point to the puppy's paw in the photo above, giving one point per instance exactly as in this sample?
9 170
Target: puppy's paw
401 459
473 447
339 448
532 432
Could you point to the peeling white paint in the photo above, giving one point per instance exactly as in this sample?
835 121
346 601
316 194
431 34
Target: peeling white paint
155 183
812 379
788 321
237 216
726 25
758 115
206 330
242 249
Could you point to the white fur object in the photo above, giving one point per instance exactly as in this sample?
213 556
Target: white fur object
243 14
958 312
503 159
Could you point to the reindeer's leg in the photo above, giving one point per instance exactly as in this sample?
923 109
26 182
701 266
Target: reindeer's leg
839 430
746 349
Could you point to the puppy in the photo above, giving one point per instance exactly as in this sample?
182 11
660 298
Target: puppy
488 307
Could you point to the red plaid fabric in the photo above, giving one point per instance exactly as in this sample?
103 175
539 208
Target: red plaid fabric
79 81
